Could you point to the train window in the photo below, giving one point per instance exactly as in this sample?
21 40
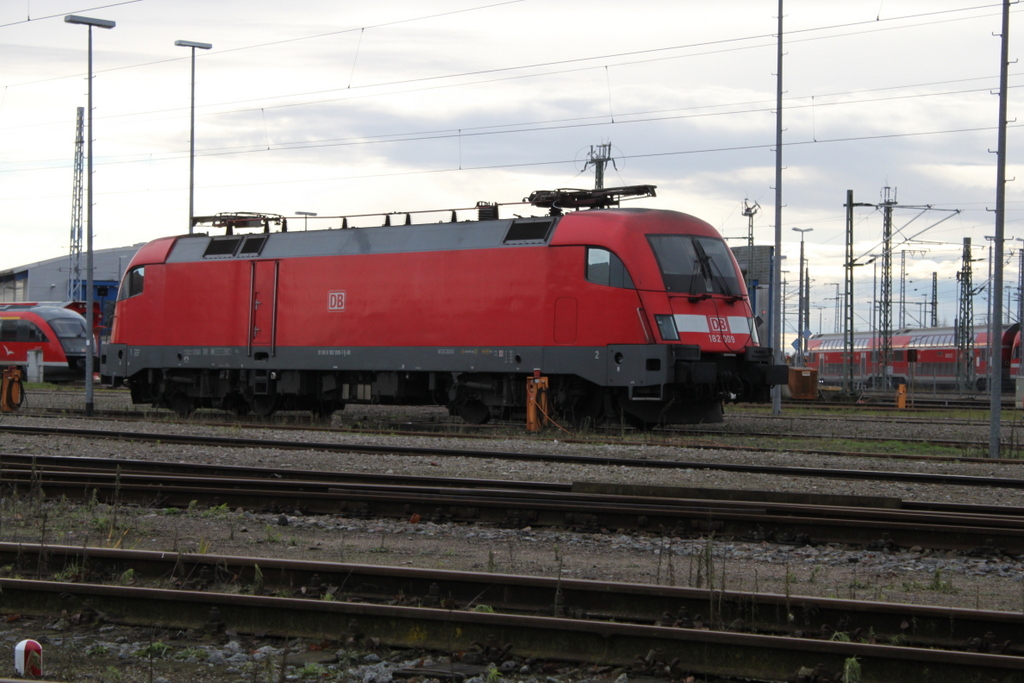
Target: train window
29 331
605 268
695 264
224 246
133 284
9 330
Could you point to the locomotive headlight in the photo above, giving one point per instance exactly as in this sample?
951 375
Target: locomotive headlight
667 327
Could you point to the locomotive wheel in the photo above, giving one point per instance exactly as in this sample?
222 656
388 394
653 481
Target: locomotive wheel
235 404
324 409
182 405
263 406
473 412
638 423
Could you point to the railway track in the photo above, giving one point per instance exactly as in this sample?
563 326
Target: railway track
751 516
691 436
334 447
915 401
801 617
655 630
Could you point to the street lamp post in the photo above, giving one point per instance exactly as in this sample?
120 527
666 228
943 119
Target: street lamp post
803 305
192 128
305 215
90 339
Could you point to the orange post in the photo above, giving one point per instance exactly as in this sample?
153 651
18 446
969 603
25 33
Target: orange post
11 393
901 396
536 402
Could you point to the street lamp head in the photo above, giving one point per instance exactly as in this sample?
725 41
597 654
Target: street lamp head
192 43
304 213
89 21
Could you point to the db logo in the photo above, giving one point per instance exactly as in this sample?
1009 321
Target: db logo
718 324
335 301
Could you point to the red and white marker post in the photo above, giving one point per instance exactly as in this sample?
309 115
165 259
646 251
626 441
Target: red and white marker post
28 658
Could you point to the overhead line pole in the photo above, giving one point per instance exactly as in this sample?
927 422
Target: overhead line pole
996 300
780 358
848 300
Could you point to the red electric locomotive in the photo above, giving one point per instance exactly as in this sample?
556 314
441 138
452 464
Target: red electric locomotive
632 314
58 331
923 358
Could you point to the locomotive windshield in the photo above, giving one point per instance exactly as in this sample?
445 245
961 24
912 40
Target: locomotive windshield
68 328
693 264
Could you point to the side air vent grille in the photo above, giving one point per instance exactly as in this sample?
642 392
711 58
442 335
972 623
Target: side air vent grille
529 230
252 245
222 247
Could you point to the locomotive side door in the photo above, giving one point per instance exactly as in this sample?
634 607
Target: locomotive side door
263 308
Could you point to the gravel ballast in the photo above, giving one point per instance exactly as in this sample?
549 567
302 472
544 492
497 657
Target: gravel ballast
913 575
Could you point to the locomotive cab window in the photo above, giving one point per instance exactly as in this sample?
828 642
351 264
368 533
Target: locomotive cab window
134 281
693 264
605 268
69 328
9 330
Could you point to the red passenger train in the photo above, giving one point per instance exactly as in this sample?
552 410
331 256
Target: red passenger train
921 357
632 314
55 329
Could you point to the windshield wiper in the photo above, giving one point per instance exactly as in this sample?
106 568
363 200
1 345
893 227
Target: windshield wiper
710 269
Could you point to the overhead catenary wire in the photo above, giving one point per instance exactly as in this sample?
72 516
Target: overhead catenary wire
499 129
31 19
528 164
769 37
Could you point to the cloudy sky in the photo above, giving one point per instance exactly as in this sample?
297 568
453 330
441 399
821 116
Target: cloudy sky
346 108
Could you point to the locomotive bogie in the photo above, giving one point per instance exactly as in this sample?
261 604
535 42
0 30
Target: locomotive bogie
458 314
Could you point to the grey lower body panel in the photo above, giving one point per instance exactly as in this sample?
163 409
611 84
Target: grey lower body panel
651 383
622 365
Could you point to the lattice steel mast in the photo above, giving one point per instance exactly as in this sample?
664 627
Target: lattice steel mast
885 293
750 210
965 324
599 159
75 257
1020 288
848 299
